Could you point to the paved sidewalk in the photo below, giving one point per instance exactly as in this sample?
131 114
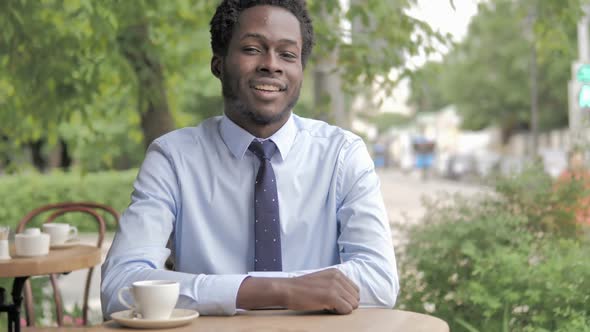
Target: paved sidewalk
403 194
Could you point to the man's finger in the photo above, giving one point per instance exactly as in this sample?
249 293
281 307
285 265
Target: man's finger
342 307
351 298
351 287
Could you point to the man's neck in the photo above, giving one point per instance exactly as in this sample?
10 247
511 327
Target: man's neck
259 130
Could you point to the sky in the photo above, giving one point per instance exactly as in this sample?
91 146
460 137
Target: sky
442 17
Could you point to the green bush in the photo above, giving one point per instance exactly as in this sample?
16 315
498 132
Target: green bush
511 260
20 194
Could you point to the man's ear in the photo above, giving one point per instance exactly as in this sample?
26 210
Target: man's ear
217 66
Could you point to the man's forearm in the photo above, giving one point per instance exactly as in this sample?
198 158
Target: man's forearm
255 293
378 283
324 290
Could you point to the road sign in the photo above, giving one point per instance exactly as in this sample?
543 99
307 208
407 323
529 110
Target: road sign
583 77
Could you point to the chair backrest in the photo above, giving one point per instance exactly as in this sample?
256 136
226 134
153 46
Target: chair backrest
57 210
65 205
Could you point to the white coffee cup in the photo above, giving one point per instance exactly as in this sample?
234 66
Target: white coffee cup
60 233
31 243
154 299
4 252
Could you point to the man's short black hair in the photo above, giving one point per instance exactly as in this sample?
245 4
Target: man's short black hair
227 13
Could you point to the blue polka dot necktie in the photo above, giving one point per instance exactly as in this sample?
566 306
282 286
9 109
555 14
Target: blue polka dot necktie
267 227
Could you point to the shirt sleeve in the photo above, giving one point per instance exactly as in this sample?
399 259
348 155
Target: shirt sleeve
365 244
139 248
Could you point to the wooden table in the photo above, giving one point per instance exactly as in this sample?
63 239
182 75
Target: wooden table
361 320
57 261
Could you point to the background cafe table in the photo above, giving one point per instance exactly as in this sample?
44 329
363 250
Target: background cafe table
57 261
361 320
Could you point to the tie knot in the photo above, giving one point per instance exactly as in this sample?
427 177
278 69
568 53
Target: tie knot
263 150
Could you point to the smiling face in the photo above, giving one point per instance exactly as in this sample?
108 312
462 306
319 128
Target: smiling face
261 75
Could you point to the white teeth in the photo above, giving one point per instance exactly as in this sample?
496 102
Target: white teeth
266 87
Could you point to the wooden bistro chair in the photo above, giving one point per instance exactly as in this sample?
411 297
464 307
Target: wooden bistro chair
57 210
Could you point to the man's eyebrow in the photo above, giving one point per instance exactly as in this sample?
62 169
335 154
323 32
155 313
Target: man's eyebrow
260 36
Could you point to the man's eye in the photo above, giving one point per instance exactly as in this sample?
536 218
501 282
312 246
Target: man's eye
251 50
289 55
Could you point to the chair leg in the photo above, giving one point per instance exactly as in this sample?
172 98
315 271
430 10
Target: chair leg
29 303
86 296
59 309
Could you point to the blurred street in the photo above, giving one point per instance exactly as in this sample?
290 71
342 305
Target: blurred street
402 193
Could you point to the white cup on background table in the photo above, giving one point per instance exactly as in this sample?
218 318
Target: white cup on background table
60 233
4 251
31 243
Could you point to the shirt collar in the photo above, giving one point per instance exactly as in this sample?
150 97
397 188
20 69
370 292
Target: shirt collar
238 140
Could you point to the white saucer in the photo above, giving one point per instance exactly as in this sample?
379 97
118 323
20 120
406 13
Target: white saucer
64 245
179 317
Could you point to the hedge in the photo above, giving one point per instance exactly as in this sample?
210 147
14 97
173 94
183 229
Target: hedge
514 260
20 194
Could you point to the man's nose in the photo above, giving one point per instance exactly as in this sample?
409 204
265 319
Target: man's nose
270 63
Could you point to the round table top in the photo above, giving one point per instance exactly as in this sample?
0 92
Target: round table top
57 261
361 320
369 320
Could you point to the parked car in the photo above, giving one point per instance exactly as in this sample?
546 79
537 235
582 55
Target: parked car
461 166
487 162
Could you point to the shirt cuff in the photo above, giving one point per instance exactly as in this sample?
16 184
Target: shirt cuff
217 294
269 274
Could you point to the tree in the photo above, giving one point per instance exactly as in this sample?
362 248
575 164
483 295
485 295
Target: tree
381 37
488 74
94 73
103 77
426 87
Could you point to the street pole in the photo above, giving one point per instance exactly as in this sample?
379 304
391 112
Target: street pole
328 94
579 113
534 145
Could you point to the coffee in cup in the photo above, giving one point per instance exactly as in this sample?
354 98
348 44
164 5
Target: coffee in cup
154 299
60 233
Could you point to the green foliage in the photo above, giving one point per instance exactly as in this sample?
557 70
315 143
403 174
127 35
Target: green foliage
63 75
375 48
22 193
547 207
487 75
427 86
495 263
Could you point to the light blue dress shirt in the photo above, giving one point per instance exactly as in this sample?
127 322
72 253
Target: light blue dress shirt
196 187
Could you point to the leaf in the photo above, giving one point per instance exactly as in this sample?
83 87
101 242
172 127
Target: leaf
466 325
506 319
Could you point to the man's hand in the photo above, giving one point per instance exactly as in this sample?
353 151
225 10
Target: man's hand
327 290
